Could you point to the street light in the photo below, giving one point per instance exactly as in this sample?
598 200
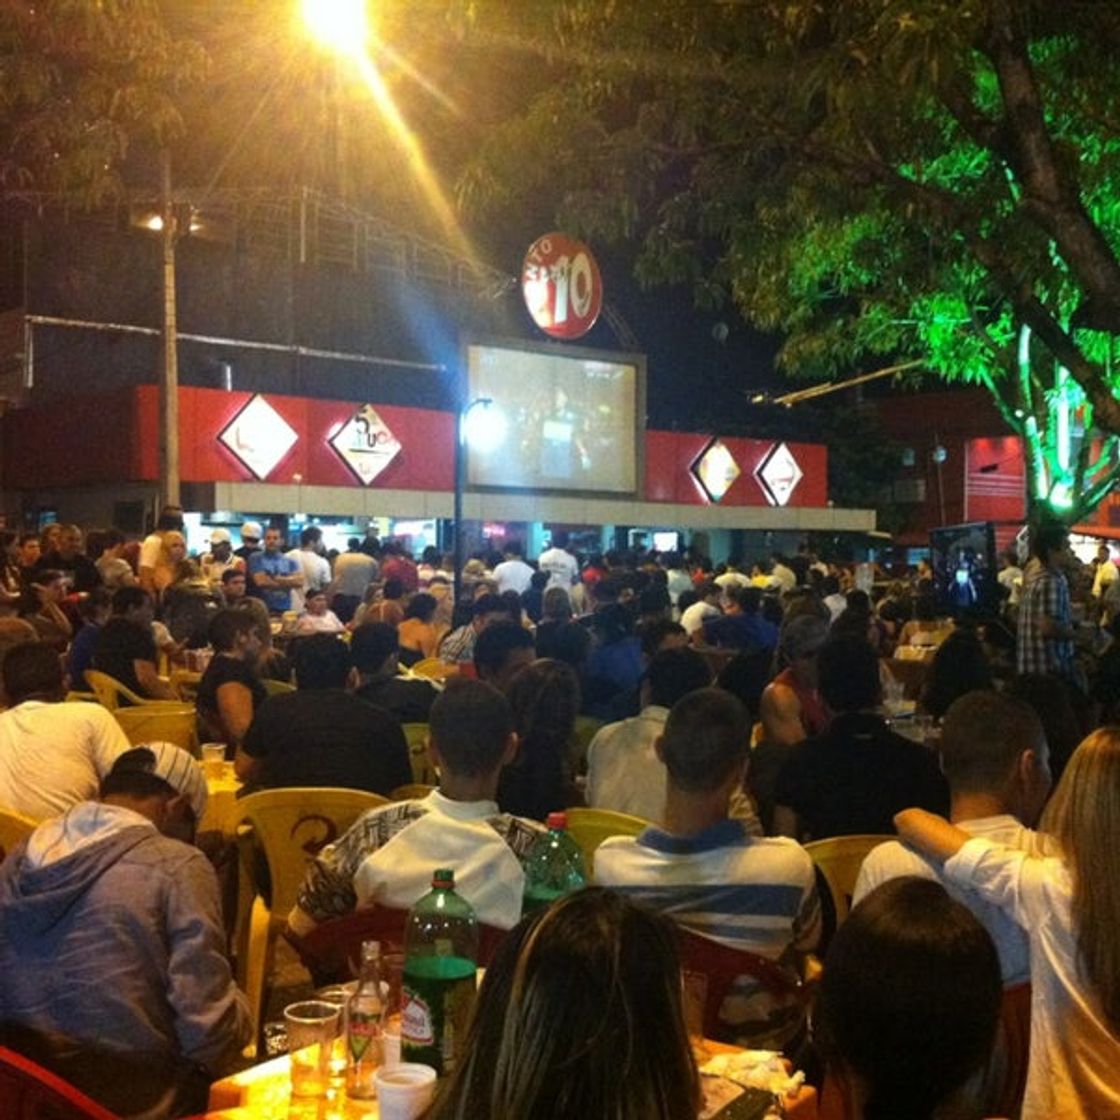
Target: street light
482 426
340 25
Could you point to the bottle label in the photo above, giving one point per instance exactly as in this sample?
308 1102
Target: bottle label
416 1020
361 1032
438 994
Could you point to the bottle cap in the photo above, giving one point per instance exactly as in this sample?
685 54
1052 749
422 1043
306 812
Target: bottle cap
557 820
444 877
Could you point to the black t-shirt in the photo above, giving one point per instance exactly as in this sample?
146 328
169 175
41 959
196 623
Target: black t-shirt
327 737
855 776
410 701
223 670
120 643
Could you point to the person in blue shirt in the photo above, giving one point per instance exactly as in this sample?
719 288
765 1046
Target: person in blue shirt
742 625
275 574
95 609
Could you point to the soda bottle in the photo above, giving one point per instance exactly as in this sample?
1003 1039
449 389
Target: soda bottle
553 867
363 1026
437 991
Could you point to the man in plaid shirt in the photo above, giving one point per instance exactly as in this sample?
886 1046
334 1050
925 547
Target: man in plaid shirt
1046 629
386 858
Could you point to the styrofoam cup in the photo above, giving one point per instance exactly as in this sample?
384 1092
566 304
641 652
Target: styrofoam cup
404 1091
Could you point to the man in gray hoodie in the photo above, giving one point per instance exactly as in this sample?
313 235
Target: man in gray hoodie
111 943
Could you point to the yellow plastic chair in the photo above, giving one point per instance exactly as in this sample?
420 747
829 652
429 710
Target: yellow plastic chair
416 736
155 723
14 827
288 828
839 859
434 669
277 688
590 827
414 791
109 692
186 682
75 697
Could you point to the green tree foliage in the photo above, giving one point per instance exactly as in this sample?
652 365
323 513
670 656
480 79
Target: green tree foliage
875 178
79 81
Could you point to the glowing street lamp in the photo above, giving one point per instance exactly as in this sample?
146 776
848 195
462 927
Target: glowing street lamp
339 25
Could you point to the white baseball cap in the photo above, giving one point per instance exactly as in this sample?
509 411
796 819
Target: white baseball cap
219 536
251 531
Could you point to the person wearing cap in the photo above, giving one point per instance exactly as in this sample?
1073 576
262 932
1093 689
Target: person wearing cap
220 559
112 947
251 534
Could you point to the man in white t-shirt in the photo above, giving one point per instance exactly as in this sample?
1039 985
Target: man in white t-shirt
561 565
313 565
996 761
52 754
707 606
513 574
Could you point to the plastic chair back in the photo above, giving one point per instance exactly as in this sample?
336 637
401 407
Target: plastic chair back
434 669
30 1092
148 723
109 692
590 827
332 951
722 987
14 827
277 688
416 736
414 791
839 859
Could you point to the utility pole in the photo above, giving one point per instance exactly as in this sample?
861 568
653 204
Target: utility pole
169 379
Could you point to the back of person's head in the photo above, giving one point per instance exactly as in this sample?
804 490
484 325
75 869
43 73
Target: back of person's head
566 641
164 770
321 661
1052 699
110 538
958 666
544 698
1048 537
557 603
661 632
848 674
571 988
748 599
421 607
227 626
674 673
170 517
372 644
470 724
97 602
925 606
909 999
538 581
1084 816
983 735
830 585
310 536
560 538
495 645
706 739
127 599
802 637
32 670
393 588
613 623
488 604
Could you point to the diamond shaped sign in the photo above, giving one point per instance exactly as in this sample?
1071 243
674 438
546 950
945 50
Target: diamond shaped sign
716 470
365 444
778 475
259 437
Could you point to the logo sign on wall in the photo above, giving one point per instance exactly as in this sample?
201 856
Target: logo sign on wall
562 287
259 437
778 475
365 444
715 469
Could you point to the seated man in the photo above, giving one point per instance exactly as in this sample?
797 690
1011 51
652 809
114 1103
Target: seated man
458 645
858 773
322 735
500 651
742 625
125 648
230 690
52 755
111 942
702 868
373 653
388 855
996 760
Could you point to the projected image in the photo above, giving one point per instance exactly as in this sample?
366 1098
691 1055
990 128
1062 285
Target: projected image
963 558
570 421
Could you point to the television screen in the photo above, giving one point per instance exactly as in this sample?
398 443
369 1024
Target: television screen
963 558
562 419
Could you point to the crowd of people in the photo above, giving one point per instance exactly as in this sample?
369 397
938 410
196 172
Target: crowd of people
740 709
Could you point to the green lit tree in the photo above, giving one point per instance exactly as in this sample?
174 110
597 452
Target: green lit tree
877 178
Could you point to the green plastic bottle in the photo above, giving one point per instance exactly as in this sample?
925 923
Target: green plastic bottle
554 866
437 991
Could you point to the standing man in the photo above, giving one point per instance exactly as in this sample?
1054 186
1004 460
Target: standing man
354 571
170 519
513 574
1046 629
250 540
312 564
561 565
273 574
220 559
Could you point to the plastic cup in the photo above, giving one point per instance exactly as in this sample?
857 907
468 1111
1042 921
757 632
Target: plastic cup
404 1091
213 759
312 1029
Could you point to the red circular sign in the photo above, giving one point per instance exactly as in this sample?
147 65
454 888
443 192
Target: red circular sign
562 287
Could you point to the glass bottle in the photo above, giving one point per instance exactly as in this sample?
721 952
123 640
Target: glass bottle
363 1026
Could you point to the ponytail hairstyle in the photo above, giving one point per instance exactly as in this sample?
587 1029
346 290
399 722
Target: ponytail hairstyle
1084 817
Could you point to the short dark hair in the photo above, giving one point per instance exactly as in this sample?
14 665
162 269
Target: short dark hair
421 606
655 632
371 643
1047 537
393 588
233 573
848 674
495 644
226 626
170 517
127 599
706 736
32 669
982 736
749 599
674 673
311 535
96 600
321 661
470 724
110 538
489 604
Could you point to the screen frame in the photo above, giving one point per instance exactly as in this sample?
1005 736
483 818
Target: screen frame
579 353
